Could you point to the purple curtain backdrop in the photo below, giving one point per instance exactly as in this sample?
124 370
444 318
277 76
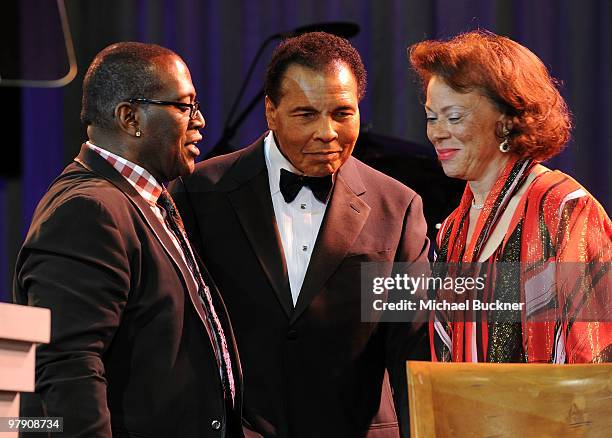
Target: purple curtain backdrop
219 38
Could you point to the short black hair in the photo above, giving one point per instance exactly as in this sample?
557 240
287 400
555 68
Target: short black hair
120 72
315 50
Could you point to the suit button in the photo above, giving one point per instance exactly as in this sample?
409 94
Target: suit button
216 425
292 334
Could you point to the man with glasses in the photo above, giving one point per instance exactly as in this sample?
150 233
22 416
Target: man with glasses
141 344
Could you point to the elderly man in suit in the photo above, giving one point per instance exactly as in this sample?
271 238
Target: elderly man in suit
141 344
283 226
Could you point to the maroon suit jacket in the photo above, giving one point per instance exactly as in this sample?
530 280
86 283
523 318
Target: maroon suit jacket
314 370
129 353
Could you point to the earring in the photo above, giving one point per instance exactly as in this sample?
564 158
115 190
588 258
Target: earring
504 146
138 133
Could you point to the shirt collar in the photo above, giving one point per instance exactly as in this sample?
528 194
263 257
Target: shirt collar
275 161
145 184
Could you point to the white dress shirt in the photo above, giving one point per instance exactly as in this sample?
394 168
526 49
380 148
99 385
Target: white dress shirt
298 222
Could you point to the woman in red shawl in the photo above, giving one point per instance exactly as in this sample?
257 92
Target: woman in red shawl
493 115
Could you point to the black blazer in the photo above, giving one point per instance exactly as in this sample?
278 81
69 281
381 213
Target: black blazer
314 370
129 353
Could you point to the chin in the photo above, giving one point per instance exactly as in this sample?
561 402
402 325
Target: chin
185 170
454 175
191 167
323 169
320 171
188 171
451 172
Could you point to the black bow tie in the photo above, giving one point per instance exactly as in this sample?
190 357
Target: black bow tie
291 184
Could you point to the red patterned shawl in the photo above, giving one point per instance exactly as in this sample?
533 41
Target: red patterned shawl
568 312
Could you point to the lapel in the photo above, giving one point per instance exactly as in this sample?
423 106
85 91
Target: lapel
345 217
249 193
95 163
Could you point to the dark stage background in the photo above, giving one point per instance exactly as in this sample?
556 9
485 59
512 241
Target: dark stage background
219 38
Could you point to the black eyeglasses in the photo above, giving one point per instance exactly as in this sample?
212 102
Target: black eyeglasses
193 107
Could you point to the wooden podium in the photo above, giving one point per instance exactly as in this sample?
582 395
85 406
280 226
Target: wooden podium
510 400
21 328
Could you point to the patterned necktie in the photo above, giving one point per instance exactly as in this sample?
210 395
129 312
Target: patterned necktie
174 221
290 185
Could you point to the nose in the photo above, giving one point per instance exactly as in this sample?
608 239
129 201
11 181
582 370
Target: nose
326 130
198 122
437 131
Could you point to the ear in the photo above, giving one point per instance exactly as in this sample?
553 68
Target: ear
503 126
128 118
508 123
270 114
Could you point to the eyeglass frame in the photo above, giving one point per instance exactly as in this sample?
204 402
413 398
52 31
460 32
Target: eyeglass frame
194 107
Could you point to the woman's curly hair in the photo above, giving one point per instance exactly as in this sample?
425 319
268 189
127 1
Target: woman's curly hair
512 76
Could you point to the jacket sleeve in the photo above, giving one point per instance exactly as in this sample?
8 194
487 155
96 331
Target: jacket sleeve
583 261
74 262
408 340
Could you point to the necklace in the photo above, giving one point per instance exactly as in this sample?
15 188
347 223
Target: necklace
477 206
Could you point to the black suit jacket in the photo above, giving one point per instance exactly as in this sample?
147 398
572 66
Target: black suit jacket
129 353
314 370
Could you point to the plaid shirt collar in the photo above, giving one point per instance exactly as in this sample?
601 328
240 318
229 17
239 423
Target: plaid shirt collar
144 183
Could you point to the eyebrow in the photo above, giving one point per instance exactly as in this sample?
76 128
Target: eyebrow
345 107
298 109
446 108
190 96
